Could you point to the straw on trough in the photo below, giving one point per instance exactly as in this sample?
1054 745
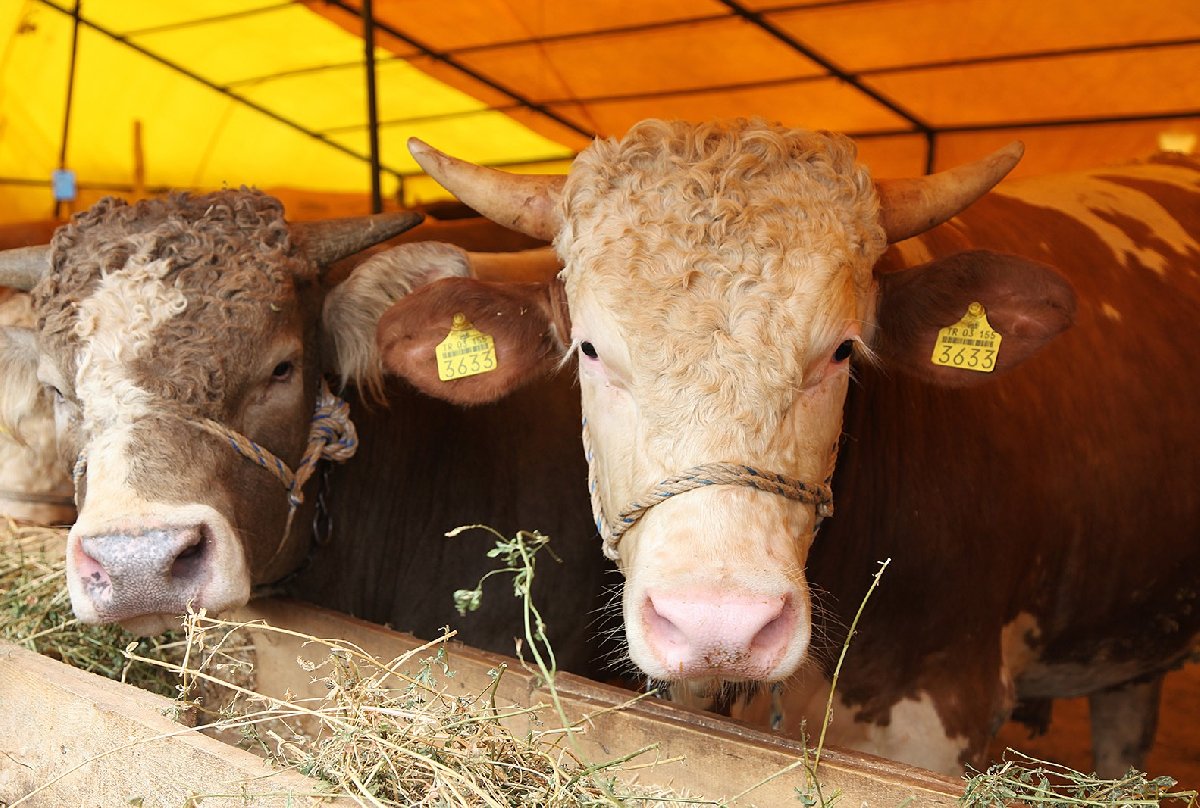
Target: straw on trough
391 732
386 732
1020 778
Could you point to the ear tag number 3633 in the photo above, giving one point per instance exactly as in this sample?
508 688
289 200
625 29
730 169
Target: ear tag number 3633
466 351
969 344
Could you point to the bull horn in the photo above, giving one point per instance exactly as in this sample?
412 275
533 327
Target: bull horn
23 267
911 206
527 203
328 241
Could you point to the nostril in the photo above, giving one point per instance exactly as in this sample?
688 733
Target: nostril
92 576
660 627
191 559
777 631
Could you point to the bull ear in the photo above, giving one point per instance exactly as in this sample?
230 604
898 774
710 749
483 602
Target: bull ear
21 393
1026 302
526 321
353 308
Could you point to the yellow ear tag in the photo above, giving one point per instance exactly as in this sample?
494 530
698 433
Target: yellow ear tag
970 344
465 351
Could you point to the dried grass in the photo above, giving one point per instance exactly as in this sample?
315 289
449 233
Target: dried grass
385 732
393 733
1020 778
35 613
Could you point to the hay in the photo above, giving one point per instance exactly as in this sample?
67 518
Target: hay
35 613
386 732
390 732
1019 778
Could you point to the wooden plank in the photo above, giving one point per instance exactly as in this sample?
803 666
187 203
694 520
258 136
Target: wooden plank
83 740
720 759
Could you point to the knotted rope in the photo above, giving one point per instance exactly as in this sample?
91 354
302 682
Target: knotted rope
820 496
331 436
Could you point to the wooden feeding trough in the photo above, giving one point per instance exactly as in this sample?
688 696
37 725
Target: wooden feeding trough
84 740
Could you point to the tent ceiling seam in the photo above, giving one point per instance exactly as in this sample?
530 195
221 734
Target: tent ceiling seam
475 75
183 25
833 70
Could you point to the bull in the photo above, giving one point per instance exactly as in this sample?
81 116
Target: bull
719 279
33 484
186 343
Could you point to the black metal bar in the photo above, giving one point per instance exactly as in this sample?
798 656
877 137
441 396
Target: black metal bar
195 21
225 91
1028 56
66 127
368 18
1043 123
835 71
453 63
594 33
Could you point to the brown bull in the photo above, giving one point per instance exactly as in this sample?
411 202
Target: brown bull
718 279
185 342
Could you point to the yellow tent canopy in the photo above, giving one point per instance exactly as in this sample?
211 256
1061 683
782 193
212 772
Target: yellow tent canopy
205 93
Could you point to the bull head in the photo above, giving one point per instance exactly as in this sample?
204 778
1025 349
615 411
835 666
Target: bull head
169 331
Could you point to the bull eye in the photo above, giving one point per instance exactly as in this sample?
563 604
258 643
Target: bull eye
843 351
589 350
283 371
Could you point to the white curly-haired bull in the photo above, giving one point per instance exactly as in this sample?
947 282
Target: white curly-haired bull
718 279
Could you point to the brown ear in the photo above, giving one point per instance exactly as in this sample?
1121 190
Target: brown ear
527 323
1026 302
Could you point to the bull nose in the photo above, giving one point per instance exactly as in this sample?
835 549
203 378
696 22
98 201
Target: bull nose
126 575
716 634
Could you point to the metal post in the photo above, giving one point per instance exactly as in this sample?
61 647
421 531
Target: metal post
368 15
62 151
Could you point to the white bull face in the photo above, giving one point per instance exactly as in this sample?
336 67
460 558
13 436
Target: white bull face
696 349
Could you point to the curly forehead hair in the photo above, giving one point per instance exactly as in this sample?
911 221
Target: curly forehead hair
720 180
241 232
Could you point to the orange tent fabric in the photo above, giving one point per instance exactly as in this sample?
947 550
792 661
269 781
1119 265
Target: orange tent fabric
270 92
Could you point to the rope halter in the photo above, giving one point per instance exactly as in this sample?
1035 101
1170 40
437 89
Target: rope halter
331 437
819 495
